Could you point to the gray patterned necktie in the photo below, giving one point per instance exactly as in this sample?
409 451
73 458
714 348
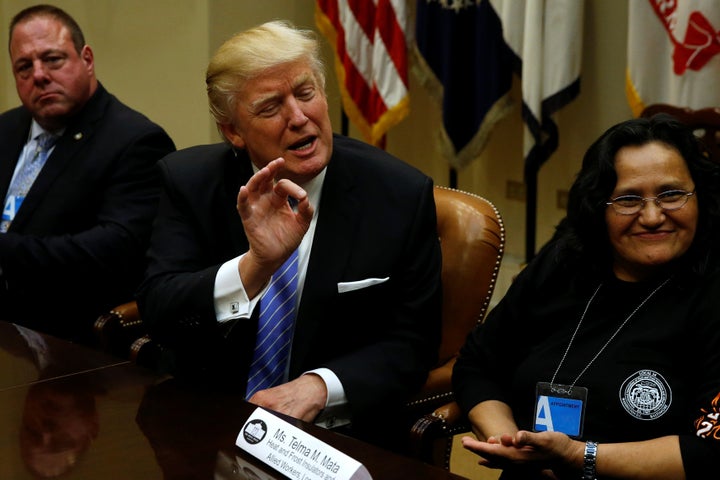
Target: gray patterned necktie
25 178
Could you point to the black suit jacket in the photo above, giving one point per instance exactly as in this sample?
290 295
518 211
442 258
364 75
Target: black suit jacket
76 247
376 219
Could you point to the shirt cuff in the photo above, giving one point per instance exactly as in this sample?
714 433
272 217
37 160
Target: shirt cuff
231 300
337 412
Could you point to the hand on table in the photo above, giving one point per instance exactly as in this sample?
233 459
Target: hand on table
303 398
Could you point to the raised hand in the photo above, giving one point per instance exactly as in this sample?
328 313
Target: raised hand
273 229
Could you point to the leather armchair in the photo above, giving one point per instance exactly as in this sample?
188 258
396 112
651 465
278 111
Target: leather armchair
472 238
118 328
122 333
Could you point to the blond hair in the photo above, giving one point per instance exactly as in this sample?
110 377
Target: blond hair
249 53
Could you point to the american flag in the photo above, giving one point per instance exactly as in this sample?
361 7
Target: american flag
369 40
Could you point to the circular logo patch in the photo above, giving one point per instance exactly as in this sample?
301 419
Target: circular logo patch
255 431
645 395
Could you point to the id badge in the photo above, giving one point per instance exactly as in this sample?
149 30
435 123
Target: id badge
560 408
12 205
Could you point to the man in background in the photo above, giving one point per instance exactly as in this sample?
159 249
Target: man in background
77 182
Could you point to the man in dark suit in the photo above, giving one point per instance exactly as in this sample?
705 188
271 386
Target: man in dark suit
367 322
73 237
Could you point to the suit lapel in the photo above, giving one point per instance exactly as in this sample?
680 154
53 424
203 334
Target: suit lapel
68 149
11 144
238 170
340 206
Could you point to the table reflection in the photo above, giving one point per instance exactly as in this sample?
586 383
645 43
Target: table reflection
27 356
67 411
59 420
59 423
187 427
230 466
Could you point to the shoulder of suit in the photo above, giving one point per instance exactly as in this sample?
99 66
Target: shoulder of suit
107 109
205 168
14 127
14 115
211 152
216 157
361 156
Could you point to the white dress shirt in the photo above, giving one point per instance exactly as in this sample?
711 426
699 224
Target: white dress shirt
232 303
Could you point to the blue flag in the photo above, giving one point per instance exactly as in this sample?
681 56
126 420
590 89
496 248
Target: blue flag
468 67
468 51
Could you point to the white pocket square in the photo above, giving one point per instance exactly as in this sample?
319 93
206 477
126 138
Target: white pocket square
359 284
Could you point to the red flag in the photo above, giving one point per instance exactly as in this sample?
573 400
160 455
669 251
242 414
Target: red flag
369 41
673 54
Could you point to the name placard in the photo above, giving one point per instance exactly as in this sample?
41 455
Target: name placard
295 453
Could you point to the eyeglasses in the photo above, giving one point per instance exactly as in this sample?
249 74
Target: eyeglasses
668 201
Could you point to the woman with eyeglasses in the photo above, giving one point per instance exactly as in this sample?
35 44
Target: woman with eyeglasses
603 358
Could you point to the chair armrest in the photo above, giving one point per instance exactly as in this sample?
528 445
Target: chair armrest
118 328
431 437
146 352
437 418
436 391
439 380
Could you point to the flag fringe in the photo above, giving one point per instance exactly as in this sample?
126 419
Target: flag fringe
500 109
633 97
472 150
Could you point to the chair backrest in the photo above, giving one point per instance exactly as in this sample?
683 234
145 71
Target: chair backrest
472 238
704 121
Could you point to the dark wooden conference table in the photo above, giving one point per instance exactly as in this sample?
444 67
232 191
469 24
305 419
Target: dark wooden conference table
74 412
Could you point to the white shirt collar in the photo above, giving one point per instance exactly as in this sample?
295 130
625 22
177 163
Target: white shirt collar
36 129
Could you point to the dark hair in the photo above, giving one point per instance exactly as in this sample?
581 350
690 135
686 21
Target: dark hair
59 14
583 232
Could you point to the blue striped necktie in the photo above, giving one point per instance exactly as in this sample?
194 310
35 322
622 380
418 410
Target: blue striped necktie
25 178
275 329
